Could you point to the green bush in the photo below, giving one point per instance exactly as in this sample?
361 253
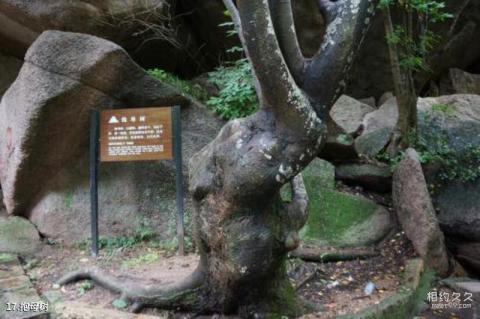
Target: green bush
237 96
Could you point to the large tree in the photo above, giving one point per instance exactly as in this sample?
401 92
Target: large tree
242 229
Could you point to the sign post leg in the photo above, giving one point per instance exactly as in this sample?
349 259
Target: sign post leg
94 124
177 157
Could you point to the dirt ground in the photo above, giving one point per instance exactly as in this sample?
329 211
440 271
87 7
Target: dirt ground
331 288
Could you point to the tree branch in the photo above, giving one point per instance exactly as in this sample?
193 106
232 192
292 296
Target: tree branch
326 74
283 21
277 88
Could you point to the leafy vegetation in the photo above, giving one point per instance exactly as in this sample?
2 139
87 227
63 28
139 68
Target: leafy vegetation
84 286
412 48
447 109
237 97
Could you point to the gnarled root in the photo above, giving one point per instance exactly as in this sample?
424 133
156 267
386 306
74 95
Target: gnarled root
325 255
183 295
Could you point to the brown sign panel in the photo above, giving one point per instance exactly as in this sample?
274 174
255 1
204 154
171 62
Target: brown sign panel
136 134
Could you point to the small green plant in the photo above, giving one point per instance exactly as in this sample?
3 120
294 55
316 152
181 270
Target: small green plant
195 91
84 286
447 109
120 304
392 161
237 96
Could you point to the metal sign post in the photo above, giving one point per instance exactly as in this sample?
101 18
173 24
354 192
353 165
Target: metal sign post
177 157
94 163
137 134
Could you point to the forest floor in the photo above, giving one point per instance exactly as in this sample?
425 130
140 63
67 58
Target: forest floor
333 288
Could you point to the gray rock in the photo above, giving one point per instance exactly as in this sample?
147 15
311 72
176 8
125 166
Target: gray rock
18 236
371 143
459 81
378 127
416 214
348 113
373 177
450 119
45 113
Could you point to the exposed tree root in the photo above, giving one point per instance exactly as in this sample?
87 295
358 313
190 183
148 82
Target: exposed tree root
183 295
328 255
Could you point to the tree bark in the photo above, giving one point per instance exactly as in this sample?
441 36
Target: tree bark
242 229
404 88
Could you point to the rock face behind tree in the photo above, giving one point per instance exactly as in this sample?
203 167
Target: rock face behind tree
45 116
416 213
45 113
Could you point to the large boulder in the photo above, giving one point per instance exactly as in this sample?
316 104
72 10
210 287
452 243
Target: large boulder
338 218
18 236
45 116
450 125
45 113
452 120
416 214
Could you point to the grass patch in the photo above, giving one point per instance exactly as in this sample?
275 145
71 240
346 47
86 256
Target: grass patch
141 260
447 109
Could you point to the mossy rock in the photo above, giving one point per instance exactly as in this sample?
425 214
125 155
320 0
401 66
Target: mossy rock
18 236
337 218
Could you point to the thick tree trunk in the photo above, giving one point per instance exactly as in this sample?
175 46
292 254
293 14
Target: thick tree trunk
241 226
242 229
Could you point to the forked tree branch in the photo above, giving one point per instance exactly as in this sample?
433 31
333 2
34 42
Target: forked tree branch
280 94
283 21
348 23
